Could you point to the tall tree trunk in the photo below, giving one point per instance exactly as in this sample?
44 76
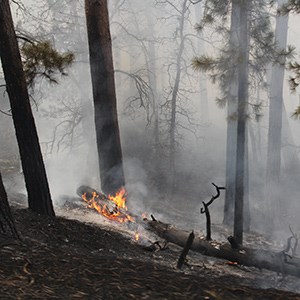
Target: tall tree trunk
275 121
204 111
105 106
152 73
241 121
7 224
39 198
175 95
231 126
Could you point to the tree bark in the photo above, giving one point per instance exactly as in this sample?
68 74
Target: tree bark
241 122
231 136
39 198
275 122
175 90
204 109
7 224
105 106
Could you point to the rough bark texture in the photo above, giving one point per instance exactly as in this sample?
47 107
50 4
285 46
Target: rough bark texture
105 106
7 225
39 198
262 259
241 122
231 128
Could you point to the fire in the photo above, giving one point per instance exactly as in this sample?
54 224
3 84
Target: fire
120 198
137 236
112 207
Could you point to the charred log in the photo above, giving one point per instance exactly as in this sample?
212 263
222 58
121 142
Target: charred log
262 259
185 250
291 248
234 244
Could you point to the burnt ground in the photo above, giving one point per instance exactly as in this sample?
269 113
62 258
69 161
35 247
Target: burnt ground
59 258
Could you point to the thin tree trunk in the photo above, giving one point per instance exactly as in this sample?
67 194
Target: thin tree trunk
275 122
175 94
39 198
105 106
247 217
241 122
153 84
204 111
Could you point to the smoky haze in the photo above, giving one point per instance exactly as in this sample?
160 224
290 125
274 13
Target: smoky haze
146 44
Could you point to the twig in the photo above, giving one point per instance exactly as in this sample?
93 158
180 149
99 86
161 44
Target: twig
205 210
153 219
290 247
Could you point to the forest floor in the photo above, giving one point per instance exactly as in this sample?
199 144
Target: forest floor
60 258
81 255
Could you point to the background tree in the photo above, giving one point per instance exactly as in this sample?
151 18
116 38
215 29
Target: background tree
39 198
274 151
105 106
224 69
241 120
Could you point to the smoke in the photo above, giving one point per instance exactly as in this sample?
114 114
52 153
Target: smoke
200 150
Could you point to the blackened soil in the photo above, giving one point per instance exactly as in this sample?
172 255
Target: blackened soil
66 259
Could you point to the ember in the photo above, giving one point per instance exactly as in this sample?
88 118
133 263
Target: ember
112 207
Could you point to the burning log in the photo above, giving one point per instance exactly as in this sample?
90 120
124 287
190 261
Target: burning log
110 206
114 208
262 259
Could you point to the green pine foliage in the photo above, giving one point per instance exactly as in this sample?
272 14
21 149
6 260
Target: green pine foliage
291 6
215 10
294 67
263 48
40 59
204 63
294 81
296 114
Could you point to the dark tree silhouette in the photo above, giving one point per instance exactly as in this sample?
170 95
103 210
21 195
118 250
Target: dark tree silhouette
105 106
241 121
39 197
7 225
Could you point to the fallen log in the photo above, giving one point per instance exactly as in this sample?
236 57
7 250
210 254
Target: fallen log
262 259
259 258
104 204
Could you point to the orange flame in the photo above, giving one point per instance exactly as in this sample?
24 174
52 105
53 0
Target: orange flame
120 198
113 207
137 236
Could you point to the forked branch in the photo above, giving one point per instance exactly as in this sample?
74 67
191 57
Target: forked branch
205 210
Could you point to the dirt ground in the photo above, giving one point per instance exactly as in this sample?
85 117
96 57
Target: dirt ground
59 258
